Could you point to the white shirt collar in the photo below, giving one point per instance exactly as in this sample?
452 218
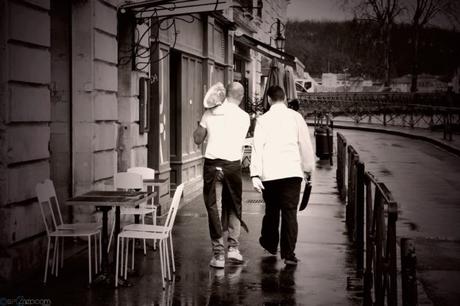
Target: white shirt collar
278 105
229 103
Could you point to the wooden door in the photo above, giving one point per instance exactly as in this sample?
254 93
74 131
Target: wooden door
186 110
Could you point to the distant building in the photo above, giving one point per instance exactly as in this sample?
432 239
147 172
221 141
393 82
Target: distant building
425 83
344 82
307 84
359 84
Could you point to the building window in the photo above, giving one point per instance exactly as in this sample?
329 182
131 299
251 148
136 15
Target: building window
246 6
260 5
219 44
239 65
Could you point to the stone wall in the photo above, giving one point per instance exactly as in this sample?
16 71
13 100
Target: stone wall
133 144
263 28
94 98
69 112
272 9
60 116
24 129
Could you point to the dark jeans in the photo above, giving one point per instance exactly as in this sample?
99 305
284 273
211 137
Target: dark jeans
232 187
281 196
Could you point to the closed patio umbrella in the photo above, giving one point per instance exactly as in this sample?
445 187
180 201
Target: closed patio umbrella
275 77
289 84
283 77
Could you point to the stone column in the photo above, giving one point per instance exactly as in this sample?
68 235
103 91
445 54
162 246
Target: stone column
94 91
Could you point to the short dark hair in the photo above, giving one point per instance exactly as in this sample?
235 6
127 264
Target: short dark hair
294 104
276 93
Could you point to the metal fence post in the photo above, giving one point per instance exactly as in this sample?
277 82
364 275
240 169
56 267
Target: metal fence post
341 164
392 254
359 220
449 125
368 275
408 272
351 201
444 119
330 142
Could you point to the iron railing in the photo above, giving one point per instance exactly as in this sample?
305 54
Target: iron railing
380 274
430 110
371 215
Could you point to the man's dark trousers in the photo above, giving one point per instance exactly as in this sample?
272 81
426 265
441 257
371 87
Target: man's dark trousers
231 201
281 196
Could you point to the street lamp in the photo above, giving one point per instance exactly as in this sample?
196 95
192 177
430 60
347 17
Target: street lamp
279 39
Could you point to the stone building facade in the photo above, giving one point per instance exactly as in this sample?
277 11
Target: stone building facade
60 115
78 104
257 19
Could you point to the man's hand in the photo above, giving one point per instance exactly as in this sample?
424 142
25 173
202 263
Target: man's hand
199 135
219 174
257 183
307 176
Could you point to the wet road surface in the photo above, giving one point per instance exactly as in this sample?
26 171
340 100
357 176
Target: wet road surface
425 182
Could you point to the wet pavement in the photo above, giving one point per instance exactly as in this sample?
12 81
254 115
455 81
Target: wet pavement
325 275
425 181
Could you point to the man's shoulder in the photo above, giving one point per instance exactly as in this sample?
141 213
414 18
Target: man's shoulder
241 113
263 117
298 117
295 113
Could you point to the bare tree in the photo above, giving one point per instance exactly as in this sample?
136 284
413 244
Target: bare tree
422 12
383 13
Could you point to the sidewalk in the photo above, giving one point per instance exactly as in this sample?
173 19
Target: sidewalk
325 275
435 137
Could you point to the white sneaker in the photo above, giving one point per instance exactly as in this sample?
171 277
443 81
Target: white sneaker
217 262
234 255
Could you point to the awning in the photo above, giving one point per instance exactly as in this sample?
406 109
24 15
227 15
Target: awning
162 8
265 49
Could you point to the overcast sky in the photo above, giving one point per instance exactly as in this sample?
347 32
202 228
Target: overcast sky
317 10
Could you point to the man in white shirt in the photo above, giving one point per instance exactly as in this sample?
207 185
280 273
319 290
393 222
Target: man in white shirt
226 127
282 155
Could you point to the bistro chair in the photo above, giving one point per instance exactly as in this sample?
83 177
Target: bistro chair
246 153
162 233
134 181
49 191
147 174
58 230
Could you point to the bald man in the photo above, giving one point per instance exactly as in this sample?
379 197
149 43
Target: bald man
225 127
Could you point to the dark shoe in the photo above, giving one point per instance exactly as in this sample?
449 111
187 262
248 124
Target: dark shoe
291 261
271 251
